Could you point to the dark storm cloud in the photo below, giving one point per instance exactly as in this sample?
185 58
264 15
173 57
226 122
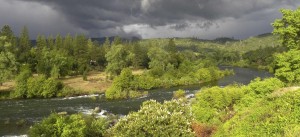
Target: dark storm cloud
110 17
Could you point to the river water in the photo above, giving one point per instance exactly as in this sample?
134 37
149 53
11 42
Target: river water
16 116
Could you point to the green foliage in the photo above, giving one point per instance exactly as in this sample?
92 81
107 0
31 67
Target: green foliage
288 28
236 110
75 125
51 87
172 118
215 105
144 81
21 83
159 60
122 87
24 46
266 86
53 63
97 128
35 86
10 38
59 126
287 66
270 116
117 58
179 94
39 86
262 57
8 64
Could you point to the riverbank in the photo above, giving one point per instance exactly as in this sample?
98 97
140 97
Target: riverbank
96 83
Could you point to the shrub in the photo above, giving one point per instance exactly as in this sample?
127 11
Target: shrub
35 86
215 105
269 116
21 83
179 94
263 87
172 118
75 125
97 128
59 125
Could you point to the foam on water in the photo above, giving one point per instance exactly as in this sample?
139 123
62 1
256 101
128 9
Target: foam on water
15 136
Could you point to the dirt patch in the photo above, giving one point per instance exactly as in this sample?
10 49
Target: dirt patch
282 91
7 86
96 82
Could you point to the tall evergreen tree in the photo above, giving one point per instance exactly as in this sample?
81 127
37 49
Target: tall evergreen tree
7 61
80 52
58 42
50 42
24 46
6 31
41 43
117 59
106 44
117 40
68 44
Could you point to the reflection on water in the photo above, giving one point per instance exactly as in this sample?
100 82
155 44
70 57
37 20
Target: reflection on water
17 115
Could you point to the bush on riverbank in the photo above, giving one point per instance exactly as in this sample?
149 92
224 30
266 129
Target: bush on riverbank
40 86
123 87
171 118
70 126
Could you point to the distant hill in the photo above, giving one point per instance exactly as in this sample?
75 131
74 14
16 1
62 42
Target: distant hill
264 35
101 40
253 42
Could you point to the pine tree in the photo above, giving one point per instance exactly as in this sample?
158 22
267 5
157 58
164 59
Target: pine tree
24 46
7 61
68 44
58 42
50 42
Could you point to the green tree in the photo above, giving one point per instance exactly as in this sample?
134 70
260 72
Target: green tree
50 42
81 53
288 28
41 43
159 60
21 83
24 46
106 44
58 42
287 66
8 64
68 44
117 40
35 86
10 38
140 57
117 59
53 63
6 31
121 85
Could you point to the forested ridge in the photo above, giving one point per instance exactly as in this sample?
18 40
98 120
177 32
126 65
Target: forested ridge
264 107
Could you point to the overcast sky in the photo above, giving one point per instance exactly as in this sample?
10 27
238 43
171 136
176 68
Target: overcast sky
206 19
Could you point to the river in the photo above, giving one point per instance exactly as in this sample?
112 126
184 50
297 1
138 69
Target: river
16 116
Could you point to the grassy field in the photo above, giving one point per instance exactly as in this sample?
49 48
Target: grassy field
96 83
